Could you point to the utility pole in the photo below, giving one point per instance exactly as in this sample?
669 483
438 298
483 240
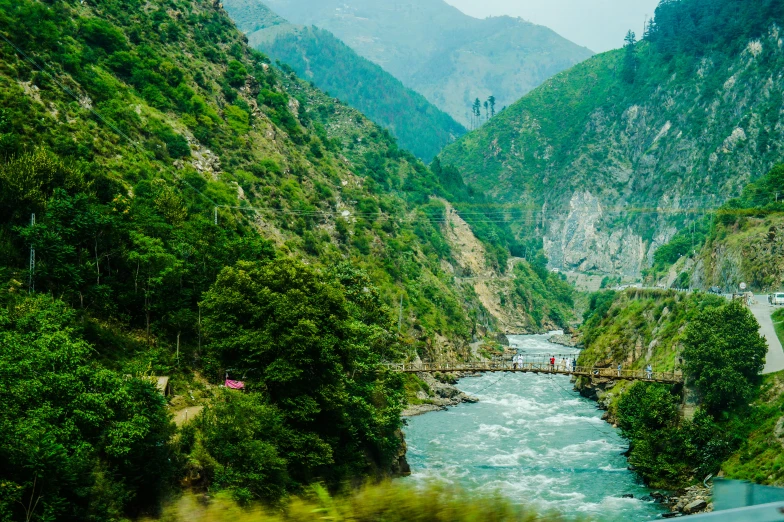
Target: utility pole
31 280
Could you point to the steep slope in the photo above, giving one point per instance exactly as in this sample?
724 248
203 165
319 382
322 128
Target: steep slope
745 244
614 156
169 124
524 298
316 55
447 56
176 213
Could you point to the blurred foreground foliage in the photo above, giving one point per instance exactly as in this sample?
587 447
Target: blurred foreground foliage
385 502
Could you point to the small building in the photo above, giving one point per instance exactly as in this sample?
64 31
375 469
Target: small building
161 384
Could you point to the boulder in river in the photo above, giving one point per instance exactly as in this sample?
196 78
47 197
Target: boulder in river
695 507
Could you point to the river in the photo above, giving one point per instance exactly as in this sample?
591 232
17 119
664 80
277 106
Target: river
535 440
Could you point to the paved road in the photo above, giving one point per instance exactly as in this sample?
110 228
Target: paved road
774 362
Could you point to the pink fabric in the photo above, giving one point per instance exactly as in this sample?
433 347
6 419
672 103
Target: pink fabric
235 385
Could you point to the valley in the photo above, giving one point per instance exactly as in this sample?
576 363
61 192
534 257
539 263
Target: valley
295 260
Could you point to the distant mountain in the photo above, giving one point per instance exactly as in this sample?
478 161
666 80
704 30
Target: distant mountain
435 49
614 156
332 66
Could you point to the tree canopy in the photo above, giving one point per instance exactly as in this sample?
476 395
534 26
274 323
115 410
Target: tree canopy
80 442
308 343
724 354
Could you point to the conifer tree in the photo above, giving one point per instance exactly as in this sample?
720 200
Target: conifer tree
630 60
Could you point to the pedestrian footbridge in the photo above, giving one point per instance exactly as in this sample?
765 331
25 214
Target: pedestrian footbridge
538 366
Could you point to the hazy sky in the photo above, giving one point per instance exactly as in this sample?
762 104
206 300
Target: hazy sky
599 25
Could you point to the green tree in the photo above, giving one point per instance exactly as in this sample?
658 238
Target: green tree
723 356
491 101
630 60
242 435
297 336
79 442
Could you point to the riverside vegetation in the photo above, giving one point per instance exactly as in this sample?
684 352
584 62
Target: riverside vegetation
198 211
718 347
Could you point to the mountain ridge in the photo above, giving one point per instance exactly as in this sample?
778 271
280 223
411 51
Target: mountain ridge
318 56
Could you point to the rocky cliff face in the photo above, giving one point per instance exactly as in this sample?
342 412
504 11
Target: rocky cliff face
576 241
751 252
492 289
615 167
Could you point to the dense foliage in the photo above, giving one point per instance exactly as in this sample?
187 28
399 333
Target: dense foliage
665 450
700 27
80 442
308 344
718 347
724 354
131 221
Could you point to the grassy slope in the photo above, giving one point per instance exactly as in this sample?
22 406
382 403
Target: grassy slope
642 327
761 459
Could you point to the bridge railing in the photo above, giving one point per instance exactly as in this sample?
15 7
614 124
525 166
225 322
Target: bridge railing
535 365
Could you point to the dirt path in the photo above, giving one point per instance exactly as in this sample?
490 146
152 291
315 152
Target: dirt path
774 362
186 414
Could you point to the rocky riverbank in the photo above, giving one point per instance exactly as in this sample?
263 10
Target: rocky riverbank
442 395
572 341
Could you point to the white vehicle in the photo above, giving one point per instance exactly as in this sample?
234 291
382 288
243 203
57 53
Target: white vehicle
777 299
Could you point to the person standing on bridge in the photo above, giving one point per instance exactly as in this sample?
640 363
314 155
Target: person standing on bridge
620 367
552 363
574 364
649 372
515 360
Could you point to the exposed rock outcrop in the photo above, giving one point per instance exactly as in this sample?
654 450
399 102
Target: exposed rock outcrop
442 395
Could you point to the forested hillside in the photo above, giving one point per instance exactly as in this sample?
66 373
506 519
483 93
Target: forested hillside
614 156
173 204
450 58
316 55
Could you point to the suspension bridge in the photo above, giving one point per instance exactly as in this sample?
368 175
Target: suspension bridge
537 366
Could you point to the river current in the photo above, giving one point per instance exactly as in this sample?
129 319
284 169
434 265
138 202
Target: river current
534 440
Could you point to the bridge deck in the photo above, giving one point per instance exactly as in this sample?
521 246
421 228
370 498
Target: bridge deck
537 367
